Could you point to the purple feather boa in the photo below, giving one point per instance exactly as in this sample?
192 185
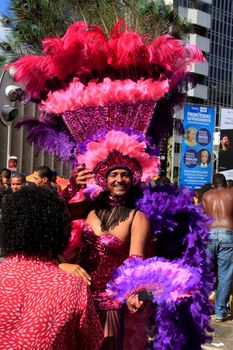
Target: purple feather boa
167 281
181 232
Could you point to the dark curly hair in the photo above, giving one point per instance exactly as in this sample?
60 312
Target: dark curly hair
3 192
35 222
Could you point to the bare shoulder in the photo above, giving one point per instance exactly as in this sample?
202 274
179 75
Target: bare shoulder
209 194
91 214
141 219
230 192
205 195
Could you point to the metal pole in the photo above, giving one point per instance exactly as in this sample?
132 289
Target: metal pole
9 137
173 152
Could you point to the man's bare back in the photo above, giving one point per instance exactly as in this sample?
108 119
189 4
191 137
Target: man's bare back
218 203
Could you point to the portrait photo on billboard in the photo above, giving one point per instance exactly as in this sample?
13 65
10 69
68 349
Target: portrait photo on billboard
226 150
190 136
204 157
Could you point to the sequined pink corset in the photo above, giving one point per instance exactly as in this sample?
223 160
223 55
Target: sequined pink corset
99 256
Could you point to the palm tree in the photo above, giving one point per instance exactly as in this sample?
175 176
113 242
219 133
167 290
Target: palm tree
32 20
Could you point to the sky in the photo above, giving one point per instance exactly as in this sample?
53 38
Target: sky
3 6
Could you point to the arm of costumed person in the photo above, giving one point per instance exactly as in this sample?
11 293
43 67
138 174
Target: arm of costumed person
139 247
78 203
138 309
79 206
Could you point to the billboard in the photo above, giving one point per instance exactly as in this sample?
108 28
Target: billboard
225 155
197 146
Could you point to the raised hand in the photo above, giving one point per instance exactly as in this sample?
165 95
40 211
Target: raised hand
83 174
134 304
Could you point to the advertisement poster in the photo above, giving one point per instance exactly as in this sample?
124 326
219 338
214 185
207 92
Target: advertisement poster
225 155
197 146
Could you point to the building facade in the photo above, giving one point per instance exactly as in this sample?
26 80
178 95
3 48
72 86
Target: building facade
13 142
213 32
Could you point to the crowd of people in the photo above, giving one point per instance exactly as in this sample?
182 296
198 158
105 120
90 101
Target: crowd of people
105 103
35 231
114 230
42 176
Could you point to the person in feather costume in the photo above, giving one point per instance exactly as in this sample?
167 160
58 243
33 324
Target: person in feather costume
103 106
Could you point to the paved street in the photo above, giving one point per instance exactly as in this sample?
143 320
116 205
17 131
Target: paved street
222 337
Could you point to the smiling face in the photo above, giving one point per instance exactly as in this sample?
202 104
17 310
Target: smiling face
190 135
204 157
119 182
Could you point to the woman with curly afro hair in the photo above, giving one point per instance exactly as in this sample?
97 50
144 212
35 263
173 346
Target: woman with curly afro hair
41 306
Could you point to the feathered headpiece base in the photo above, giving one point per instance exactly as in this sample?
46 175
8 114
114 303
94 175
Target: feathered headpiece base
118 149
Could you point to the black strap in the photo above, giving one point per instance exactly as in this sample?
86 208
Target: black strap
132 219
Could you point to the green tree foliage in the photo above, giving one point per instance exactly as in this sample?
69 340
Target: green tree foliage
30 21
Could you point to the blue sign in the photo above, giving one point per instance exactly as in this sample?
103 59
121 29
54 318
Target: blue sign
197 146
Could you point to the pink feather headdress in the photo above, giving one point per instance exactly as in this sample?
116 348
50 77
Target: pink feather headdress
100 86
117 149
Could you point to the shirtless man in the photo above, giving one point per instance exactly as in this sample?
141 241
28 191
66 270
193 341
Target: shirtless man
218 203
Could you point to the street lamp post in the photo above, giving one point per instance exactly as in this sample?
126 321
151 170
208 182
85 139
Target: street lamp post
8 111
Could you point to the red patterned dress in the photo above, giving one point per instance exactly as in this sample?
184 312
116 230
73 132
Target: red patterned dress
44 308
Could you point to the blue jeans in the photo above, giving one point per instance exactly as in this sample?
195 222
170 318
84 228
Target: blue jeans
221 247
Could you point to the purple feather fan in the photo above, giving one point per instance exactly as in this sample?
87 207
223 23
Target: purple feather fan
52 138
167 281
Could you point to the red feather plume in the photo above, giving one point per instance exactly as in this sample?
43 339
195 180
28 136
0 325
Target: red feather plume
85 50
